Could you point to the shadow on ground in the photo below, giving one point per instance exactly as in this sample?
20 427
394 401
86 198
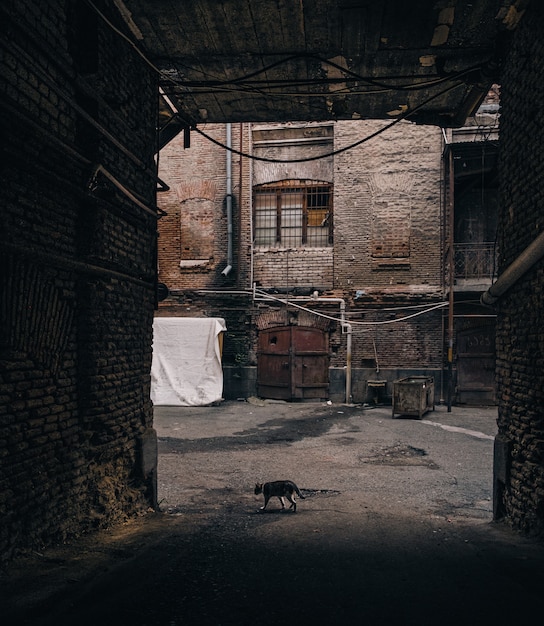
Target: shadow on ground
389 532
385 571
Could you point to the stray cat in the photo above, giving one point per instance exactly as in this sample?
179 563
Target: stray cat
280 489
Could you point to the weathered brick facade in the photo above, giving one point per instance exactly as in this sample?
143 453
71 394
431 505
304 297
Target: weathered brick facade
78 261
386 252
519 467
388 209
193 234
388 243
77 282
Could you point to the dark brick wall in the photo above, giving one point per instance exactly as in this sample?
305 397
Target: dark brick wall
406 343
520 332
77 281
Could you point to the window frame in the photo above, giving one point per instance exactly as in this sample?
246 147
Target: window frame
295 186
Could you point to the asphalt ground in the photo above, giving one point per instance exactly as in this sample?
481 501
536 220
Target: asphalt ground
395 528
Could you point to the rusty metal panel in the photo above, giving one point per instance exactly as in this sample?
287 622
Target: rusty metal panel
293 363
311 363
274 364
476 364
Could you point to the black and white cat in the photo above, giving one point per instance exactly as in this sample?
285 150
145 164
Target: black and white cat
280 489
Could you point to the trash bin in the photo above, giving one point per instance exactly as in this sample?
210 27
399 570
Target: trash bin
413 395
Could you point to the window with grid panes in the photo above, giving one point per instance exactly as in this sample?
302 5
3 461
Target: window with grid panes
293 213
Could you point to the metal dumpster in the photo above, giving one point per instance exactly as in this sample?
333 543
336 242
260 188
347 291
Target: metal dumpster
413 395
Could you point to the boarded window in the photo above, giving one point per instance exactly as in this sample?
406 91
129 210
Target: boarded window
197 232
390 231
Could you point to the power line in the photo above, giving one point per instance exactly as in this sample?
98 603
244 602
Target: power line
401 117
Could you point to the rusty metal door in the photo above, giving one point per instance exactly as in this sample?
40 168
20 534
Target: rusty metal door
293 363
476 364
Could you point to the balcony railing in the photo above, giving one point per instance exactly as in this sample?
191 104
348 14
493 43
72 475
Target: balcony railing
474 261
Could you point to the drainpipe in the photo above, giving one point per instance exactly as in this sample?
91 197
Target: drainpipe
532 253
348 364
228 268
451 262
250 194
347 330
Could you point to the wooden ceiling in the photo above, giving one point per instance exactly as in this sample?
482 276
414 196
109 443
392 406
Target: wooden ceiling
286 60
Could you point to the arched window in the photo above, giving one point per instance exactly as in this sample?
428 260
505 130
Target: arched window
293 213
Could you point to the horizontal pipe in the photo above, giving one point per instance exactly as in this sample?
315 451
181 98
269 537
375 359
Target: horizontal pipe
100 169
81 267
531 255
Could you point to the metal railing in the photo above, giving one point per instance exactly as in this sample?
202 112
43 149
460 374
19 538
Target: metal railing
474 260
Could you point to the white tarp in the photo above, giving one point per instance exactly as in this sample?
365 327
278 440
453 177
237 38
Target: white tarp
186 367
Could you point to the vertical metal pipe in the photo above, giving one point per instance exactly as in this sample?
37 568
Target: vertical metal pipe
451 259
227 269
348 363
240 196
347 329
251 238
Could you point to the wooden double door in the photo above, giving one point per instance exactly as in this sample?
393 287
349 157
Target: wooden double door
476 364
293 363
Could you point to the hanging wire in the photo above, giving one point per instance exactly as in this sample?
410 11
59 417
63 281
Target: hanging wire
378 85
399 119
267 296
354 76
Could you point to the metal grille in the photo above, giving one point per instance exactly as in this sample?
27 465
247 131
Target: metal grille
474 261
293 214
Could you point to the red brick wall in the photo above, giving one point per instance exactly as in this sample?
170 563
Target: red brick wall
195 227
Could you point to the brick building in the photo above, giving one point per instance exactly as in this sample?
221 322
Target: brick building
78 229
78 239
355 231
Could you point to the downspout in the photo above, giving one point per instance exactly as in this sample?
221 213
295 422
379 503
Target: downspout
228 268
347 330
345 326
250 198
238 217
532 253
451 261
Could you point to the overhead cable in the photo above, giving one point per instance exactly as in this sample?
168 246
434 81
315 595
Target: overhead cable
400 118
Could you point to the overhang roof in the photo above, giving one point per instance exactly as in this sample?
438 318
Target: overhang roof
314 60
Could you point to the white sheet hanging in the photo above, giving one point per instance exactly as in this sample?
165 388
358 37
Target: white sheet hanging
186 367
